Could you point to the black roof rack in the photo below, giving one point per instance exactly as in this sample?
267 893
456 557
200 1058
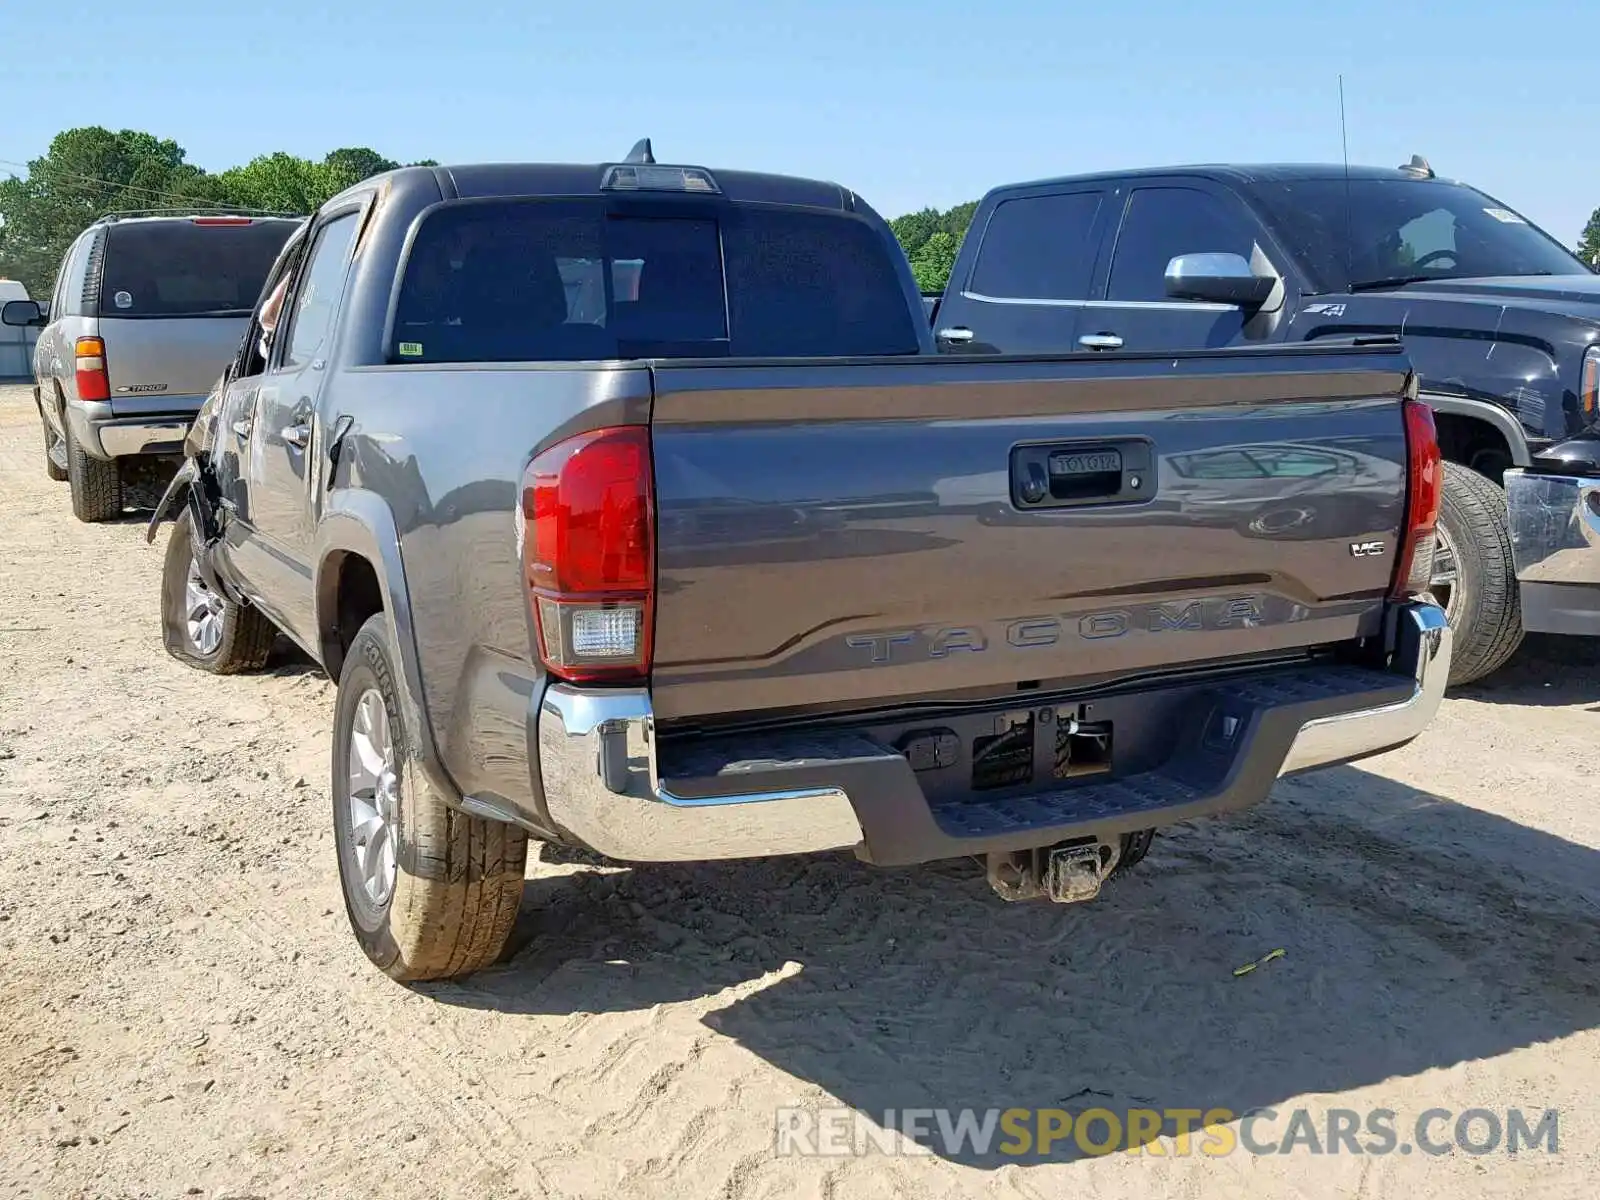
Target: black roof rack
194 210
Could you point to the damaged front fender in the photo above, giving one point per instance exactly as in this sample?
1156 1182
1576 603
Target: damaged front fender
188 475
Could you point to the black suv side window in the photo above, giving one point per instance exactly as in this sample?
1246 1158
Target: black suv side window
316 298
1039 248
1162 223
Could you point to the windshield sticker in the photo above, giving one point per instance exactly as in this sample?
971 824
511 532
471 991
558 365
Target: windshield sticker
123 299
411 349
1505 216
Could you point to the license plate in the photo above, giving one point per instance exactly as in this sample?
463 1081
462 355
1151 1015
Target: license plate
1087 462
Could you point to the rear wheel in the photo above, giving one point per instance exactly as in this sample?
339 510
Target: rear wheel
1474 576
199 625
96 484
431 892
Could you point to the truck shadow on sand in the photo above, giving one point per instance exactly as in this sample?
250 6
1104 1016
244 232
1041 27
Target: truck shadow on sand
1419 933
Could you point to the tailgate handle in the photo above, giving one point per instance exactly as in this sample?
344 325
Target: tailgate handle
1078 474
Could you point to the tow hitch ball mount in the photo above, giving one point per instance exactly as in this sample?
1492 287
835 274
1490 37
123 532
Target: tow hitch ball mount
1067 874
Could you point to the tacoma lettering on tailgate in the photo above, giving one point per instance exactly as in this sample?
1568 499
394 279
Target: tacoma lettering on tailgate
1176 616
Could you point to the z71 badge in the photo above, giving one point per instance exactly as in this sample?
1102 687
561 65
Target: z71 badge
1365 549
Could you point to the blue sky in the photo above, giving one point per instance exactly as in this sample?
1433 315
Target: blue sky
908 103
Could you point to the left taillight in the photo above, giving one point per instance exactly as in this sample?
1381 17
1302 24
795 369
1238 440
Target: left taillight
586 526
1413 571
93 383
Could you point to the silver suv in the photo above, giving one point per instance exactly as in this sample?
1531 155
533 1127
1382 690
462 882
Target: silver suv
147 311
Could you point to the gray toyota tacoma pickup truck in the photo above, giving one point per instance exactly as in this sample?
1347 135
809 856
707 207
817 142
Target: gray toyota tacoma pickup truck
632 508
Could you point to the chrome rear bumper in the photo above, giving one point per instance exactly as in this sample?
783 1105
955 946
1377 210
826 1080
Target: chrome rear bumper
105 435
143 436
597 766
1422 650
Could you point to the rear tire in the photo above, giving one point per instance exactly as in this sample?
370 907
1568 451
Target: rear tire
51 470
431 892
1475 576
96 484
199 626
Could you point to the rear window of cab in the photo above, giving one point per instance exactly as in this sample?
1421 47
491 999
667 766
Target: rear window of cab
578 280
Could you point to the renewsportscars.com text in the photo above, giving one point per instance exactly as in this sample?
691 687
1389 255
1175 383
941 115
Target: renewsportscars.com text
1171 1132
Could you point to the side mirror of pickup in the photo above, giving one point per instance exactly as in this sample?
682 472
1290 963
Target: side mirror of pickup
1218 279
26 313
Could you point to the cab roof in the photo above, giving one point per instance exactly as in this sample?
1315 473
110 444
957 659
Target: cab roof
1241 174
483 180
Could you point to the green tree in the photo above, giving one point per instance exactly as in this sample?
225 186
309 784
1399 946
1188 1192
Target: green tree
86 173
89 172
279 183
933 261
955 221
931 240
1589 243
353 164
914 229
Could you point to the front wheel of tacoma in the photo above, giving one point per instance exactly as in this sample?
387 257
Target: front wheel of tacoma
200 626
1474 576
431 892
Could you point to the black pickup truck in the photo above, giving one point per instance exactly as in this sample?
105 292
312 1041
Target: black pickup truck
1500 321
632 509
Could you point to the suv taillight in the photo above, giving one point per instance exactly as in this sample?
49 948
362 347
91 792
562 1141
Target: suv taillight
90 353
587 533
1413 570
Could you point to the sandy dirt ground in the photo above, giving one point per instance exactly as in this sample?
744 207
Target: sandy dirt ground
183 1012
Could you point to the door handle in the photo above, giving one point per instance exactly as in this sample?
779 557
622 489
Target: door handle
958 334
241 429
1100 341
296 435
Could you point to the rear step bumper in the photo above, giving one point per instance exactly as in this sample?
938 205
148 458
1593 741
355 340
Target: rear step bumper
607 787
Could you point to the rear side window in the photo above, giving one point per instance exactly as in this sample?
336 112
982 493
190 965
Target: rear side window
570 280
1161 224
1039 248
187 268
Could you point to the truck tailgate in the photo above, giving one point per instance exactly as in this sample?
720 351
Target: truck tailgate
847 534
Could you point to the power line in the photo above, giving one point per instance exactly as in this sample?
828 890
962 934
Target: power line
54 170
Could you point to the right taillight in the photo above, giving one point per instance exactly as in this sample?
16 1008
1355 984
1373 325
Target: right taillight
90 364
587 531
1413 571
